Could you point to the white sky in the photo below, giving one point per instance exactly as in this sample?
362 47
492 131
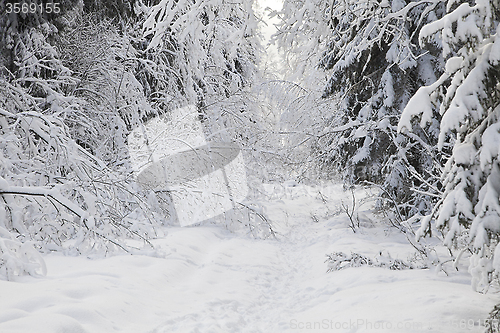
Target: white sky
272 59
262 5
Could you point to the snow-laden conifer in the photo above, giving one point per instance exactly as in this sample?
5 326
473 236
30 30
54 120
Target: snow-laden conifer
370 52
467 96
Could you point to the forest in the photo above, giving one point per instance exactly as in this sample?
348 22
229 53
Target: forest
400 98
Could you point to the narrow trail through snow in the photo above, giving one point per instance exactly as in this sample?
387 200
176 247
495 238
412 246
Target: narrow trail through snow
282 285
207 279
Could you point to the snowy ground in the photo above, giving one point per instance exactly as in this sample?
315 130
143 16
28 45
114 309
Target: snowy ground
206 279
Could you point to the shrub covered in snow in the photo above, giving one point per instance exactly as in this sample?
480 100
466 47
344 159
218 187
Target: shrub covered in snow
18 258
492 324
53 191
339 260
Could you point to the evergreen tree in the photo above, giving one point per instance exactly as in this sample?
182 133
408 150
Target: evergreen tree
368 49
467 96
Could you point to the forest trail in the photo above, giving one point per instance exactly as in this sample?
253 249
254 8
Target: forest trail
249 285
208 279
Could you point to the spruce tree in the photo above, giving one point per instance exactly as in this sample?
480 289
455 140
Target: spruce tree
467 97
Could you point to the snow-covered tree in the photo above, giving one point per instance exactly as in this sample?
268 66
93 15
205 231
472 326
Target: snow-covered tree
210 45
104 65
368 49
209 52
75 84
60 189
302 31
467 96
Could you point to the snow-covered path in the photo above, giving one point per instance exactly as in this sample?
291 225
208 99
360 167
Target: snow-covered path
206 279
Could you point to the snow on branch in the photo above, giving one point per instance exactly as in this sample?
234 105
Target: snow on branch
467 99
59 195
